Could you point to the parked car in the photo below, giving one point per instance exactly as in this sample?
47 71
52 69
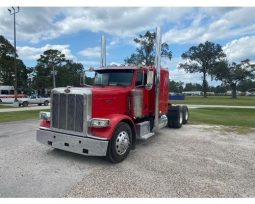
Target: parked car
34 99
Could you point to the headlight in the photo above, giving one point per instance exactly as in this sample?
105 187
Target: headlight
99 123
45 115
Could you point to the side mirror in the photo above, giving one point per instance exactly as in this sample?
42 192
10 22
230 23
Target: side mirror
150 77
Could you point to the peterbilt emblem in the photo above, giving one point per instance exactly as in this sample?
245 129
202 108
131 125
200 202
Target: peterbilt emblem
67 90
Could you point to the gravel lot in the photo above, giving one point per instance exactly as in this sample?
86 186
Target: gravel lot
195 161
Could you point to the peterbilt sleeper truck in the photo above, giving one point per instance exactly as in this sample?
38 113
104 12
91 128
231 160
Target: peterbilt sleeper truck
124 104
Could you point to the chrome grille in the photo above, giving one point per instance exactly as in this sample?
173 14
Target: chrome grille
68 112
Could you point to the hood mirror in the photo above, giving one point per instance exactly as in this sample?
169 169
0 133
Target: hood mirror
88 77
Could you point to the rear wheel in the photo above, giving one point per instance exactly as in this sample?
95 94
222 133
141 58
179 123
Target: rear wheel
25 104
120 144
178 122
170 123
175 117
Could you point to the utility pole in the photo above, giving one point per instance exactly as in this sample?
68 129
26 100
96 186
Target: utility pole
54 76
13 12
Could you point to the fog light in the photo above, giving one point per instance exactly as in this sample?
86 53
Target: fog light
99 123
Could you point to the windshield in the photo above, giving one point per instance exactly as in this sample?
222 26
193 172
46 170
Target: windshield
114 78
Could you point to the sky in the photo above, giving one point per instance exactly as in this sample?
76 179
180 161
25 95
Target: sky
76 32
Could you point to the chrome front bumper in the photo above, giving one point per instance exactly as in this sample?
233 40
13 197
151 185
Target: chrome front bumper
81 145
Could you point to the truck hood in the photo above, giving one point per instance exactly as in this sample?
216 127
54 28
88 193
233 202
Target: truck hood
110 100
105 100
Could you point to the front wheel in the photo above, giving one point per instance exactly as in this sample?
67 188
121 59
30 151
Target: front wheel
46 103
120 144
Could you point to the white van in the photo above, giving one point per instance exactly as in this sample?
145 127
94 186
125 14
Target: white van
7 94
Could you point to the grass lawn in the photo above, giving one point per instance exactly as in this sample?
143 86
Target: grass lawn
223 116
217 100
19 115
4 106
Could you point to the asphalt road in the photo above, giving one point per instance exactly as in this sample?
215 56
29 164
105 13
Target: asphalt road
195 161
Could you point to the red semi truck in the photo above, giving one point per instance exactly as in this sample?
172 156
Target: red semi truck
125 103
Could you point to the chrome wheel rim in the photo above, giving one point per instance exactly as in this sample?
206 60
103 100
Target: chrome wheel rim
180 120
122 143
187 115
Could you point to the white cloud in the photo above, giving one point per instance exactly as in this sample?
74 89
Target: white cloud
32 24
240 49
188 25
91 52
33 53
95 52
89 63
116 63
36 24
213 24
122 22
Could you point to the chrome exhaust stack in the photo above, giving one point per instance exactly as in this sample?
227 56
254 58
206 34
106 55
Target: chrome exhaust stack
103 52
157 64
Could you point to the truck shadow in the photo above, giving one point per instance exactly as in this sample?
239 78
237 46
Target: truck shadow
61 154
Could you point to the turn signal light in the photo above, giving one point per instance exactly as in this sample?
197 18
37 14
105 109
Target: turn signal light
45 116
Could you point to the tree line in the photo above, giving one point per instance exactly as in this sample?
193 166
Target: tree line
39 77
206 58
6 66
179 87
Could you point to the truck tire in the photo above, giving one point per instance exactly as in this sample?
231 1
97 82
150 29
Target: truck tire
170 123
175 117
120 144
0 101
185 115
46 103
25 104
179 120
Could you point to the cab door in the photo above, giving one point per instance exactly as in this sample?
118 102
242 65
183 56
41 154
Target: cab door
140 82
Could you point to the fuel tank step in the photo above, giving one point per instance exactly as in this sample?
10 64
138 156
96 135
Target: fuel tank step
147 136
143 130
